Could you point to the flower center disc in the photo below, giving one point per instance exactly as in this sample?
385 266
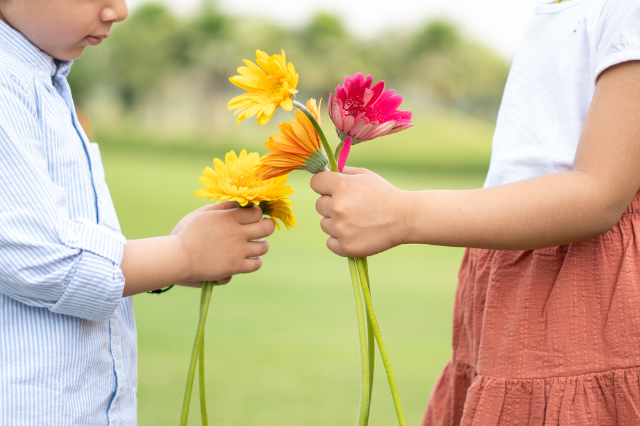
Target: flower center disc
355 108
274 89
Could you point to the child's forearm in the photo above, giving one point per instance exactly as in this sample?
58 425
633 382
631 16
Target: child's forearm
546 211
364 214
153 263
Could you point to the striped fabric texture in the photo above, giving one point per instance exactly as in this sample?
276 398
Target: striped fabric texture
67 337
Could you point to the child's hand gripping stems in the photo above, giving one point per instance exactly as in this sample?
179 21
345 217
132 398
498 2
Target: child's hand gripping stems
362 213
216 242
212 243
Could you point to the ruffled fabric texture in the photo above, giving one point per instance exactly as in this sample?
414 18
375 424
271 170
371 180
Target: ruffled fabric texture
547 337
600 399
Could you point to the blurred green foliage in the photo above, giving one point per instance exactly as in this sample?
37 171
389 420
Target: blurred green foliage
167 75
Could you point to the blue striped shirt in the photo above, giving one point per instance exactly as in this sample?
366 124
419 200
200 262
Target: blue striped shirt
67 337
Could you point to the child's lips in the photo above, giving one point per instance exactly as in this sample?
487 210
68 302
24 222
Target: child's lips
95 40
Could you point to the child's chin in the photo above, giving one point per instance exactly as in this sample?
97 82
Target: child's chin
69 54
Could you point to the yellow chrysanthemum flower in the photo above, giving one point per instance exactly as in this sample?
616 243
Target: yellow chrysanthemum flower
297 147
236 180
271 84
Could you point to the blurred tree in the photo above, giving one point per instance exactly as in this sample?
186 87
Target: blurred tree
88 74
143 52
455 72
157 64
324 26
437 36
325 52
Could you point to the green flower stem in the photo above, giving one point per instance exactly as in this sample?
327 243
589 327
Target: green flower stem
370 336
372 355
207 287
365 386
203 398
336 153
365 264
362 272
323 138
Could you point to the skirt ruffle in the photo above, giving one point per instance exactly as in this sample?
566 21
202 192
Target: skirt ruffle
608 398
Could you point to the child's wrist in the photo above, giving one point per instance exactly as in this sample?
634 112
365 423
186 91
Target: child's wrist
183 260
407 215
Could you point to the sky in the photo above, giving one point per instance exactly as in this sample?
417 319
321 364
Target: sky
498 23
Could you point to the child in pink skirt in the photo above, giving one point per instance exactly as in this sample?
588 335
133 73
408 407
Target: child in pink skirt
547 312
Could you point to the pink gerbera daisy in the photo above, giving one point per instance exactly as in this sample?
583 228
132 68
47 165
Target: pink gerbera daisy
363 112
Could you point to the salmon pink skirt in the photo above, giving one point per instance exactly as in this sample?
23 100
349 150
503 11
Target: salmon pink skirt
546 337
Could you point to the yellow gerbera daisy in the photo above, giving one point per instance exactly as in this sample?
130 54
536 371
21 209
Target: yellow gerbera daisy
271 84
298 147
235 180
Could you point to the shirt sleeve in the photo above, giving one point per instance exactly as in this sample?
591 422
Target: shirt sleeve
69 266
617 35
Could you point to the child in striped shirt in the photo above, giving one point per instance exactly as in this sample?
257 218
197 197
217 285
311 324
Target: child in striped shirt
67 331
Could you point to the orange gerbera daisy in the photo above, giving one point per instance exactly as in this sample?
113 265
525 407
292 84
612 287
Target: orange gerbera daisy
271 84
297 147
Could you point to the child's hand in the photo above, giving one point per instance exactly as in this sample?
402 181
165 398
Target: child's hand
362 212
185 221
210 244
222 240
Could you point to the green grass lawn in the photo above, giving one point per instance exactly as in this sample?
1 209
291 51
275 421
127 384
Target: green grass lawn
281 344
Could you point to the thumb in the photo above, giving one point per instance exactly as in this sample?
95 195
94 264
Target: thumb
248 215
225 205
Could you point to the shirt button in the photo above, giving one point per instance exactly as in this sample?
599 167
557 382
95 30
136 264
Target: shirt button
43 74
119 350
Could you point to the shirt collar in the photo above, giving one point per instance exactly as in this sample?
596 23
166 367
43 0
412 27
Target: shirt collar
18 46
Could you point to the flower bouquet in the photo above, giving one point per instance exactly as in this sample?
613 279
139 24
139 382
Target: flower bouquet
360 111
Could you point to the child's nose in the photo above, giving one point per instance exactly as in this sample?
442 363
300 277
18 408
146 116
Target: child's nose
115 11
